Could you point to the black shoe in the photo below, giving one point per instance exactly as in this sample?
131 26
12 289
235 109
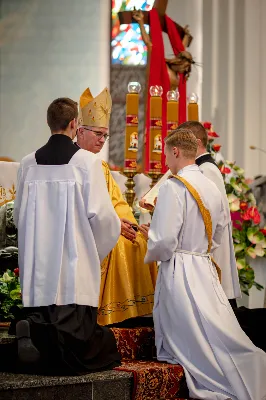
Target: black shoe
27 352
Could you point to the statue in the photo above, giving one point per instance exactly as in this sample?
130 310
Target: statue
180 64
8 238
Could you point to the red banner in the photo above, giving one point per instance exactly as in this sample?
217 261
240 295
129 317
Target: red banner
171 126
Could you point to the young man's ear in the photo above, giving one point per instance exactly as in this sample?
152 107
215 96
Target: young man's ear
175 151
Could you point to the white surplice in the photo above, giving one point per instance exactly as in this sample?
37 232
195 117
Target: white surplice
66 226
224 255
194 322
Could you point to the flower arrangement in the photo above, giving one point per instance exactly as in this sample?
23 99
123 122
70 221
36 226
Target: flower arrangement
248 237
10 294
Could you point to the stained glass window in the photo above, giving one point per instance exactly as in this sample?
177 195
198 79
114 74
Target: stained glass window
126 43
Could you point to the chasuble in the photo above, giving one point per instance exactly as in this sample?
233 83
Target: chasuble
127 283
195 325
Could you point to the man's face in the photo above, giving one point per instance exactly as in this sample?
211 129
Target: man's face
171 154
92 138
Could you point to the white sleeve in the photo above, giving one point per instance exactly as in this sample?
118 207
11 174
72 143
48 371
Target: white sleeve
166 224
219 230
19 192
105 224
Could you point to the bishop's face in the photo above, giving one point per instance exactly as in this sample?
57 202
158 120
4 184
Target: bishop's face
92 138
171 158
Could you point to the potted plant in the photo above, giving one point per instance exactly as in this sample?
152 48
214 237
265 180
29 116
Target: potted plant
248 236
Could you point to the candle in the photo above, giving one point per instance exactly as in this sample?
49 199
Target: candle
155 150
193 109
172 110
131 138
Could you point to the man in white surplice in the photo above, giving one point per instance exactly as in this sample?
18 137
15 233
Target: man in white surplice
66 226
194 322
224 255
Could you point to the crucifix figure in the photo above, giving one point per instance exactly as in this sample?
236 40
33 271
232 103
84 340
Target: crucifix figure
170 74
181 63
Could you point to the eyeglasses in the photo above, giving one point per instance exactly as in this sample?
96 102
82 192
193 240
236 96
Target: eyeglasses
98 134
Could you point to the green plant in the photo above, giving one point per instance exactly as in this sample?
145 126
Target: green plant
10 294
248 237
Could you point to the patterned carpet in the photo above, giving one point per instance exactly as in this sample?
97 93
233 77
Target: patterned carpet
153 380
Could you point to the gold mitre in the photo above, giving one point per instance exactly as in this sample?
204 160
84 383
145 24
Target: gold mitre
95 111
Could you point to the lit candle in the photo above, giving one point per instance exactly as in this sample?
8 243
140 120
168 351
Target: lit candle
155 153
193 108
172 110
131 138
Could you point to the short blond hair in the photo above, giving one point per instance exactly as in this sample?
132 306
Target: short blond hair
185 140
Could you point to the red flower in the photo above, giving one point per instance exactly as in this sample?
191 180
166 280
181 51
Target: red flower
212 134
243 205
263 231
252 213
16 271
236 220
216 147
225 170
207 125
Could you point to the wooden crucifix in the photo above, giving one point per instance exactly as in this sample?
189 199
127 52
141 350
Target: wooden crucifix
126 17
180 64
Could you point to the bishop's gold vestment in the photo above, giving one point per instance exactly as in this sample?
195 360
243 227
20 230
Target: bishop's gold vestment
127 284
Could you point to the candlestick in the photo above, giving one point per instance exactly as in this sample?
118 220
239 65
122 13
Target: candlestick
172 110
130 184
155 150
193 109
131 138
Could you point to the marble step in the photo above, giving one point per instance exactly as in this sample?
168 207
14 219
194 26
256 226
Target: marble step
107 385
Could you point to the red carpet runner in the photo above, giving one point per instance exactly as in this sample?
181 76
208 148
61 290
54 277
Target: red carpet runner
153 380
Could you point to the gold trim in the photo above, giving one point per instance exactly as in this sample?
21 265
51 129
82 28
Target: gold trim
206 216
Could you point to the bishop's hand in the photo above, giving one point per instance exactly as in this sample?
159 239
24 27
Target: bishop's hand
126 230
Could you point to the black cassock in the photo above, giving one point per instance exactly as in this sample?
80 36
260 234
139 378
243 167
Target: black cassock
68 337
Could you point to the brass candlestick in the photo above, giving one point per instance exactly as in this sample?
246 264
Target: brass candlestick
130 184
155 177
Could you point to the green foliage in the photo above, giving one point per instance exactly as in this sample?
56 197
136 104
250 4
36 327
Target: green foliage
10 294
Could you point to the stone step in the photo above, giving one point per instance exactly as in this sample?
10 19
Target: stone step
107 385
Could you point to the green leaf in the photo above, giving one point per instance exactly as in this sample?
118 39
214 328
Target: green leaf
241 263
239 247
15 294
251 252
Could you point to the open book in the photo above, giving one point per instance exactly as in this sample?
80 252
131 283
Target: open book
151 196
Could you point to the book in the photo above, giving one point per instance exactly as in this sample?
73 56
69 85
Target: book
151 196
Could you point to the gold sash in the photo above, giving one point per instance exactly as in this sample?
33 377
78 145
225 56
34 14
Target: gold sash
207 219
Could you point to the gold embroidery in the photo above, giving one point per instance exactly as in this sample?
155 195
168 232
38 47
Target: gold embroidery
206 215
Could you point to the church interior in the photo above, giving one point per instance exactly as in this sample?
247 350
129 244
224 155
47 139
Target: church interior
164 62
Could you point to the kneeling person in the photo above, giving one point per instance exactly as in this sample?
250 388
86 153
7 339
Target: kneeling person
127 284
63 211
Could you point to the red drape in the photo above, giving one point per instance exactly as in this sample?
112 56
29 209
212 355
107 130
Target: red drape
158 75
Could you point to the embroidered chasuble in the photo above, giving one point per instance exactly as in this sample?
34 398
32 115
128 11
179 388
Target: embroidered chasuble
127 283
